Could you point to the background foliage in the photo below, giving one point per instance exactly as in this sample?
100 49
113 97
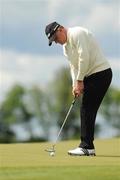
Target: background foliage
48 108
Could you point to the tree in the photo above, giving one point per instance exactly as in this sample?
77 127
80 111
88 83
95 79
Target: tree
23 106
38 103
12 111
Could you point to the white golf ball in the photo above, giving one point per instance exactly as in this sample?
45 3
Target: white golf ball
52 154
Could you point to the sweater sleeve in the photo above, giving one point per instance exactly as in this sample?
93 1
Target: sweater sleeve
73 74
83 58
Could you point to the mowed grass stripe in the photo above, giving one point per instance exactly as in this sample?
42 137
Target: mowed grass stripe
31 162
65 173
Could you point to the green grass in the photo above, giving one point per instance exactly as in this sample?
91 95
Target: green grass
31 162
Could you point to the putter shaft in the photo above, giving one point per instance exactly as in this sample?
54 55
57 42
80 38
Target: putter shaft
73 102
53 146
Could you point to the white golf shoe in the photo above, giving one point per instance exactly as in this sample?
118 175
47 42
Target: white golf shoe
82 152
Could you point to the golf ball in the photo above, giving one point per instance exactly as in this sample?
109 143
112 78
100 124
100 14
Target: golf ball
52 154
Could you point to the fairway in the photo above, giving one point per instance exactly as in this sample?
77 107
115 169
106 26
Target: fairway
31 162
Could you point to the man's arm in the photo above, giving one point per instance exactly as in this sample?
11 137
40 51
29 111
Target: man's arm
83 63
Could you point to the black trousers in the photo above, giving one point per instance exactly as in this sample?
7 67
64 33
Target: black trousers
95 87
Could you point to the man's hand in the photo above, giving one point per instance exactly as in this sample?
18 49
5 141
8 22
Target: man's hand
78 88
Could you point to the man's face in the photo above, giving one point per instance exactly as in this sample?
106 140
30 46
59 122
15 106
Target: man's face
60 36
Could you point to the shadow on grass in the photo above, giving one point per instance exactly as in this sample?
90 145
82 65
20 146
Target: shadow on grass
114 156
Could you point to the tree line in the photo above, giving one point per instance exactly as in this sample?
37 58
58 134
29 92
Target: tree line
49 106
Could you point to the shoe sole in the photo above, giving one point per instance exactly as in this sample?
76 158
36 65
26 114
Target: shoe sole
81 154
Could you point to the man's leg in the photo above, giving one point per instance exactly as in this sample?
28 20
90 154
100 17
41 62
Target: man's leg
95 88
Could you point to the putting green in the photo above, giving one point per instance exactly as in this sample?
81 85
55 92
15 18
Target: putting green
31 162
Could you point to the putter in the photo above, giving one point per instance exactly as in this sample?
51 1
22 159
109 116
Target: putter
51 151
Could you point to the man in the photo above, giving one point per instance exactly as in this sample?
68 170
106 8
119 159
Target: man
91 77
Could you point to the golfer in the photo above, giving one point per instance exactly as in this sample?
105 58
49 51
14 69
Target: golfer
91 77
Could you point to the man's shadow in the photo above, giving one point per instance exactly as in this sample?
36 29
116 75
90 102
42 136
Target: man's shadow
113 156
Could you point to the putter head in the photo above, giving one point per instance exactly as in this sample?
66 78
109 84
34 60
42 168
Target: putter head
50 150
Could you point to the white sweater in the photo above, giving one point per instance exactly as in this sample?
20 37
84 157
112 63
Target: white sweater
83 53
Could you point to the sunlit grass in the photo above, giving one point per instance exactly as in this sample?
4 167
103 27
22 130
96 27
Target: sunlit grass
31 162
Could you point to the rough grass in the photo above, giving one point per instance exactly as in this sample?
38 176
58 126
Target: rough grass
31 162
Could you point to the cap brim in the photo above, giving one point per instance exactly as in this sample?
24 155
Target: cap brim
51 40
